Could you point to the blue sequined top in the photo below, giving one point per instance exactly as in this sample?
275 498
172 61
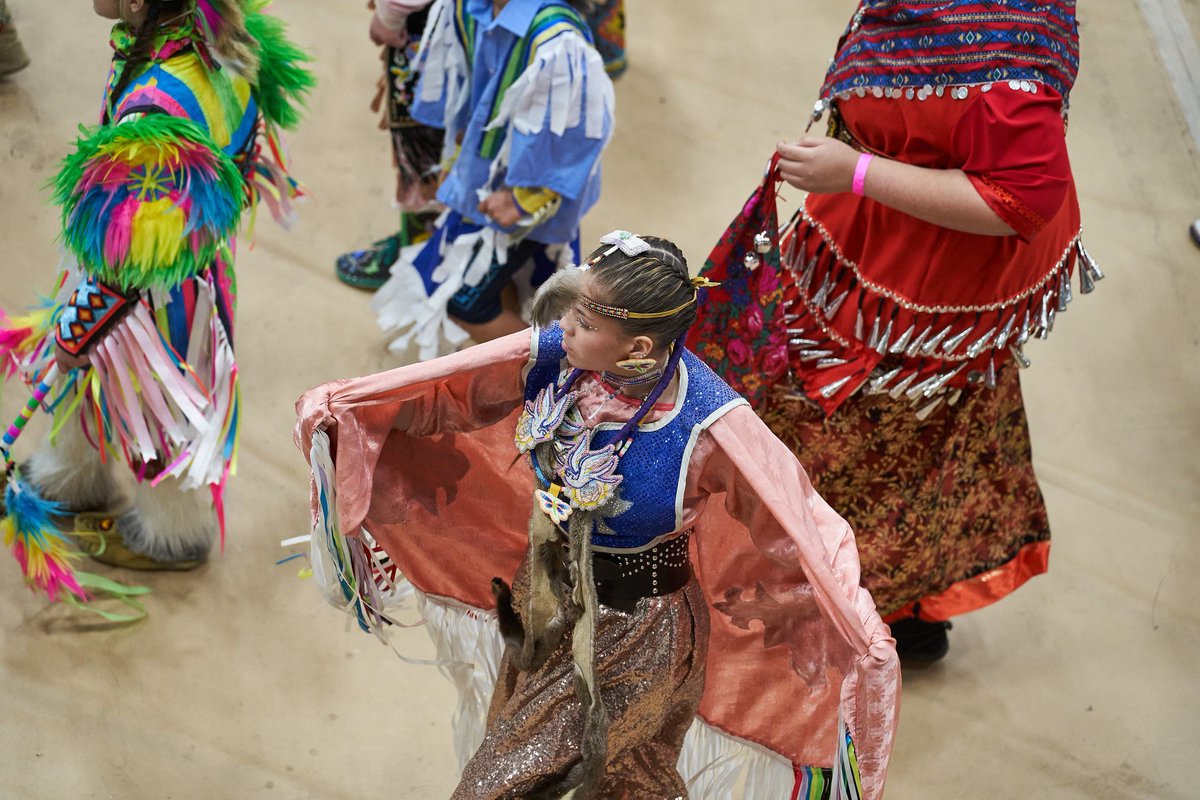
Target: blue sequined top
654 468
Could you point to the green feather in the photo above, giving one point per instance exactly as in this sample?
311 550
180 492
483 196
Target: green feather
283 80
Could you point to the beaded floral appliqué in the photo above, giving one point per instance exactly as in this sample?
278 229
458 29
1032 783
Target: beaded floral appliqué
545 419
587 477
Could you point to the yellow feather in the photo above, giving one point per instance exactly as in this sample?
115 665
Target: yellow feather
40 323
157 235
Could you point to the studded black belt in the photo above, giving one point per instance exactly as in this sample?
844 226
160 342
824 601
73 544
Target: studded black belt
623 578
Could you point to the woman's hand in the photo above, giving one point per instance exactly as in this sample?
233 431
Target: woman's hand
944 197
501 208
67 362
818 164
382 35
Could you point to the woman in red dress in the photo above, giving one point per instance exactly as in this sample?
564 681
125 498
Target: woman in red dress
939 235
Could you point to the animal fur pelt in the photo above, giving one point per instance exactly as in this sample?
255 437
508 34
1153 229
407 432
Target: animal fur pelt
561 595
556 296
549 611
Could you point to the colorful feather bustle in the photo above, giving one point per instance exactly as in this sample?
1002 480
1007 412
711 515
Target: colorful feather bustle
147 203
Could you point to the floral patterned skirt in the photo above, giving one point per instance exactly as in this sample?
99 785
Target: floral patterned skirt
946 511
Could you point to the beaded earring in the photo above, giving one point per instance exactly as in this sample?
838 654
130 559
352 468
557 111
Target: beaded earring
637 365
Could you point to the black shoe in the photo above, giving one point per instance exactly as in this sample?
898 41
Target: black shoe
919 642
1195 231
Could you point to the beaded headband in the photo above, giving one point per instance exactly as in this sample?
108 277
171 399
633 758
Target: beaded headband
616 312
632 245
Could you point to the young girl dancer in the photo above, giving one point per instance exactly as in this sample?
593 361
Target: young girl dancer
610 655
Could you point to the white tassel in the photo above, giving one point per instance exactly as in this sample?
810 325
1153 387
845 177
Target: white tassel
445 73
469 638
408 315
712 763
326 536
566 83
405 312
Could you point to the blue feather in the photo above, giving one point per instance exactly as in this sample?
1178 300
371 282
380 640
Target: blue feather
32 515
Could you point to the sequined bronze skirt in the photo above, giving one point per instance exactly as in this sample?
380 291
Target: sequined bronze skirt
946 511
650 666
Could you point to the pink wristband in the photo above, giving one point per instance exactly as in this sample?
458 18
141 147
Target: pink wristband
860 173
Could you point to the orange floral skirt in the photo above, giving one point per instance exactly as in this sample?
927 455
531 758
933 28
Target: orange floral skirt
946 511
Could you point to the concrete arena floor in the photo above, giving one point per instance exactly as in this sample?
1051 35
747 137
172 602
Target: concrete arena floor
243 684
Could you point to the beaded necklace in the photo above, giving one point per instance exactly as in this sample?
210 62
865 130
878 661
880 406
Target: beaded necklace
629 381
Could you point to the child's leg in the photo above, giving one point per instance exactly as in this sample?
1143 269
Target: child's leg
12 54
505 323
508 321
70 471
169 524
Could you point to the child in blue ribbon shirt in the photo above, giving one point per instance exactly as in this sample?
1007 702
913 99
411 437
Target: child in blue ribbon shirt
527 108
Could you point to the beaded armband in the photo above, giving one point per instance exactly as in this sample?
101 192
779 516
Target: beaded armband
91 309
537 206
531 199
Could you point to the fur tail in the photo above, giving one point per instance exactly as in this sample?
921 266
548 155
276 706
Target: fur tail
529 652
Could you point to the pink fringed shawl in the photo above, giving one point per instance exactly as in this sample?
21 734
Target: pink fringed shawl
797 645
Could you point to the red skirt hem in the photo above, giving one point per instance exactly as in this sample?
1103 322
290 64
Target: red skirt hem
980 590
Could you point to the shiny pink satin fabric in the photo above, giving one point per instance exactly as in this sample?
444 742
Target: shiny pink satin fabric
394 13
425 461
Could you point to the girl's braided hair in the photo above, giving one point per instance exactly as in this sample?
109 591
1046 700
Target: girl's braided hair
223 22
653 281
143 42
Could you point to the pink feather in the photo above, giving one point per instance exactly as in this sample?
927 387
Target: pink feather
61 576
210 17
119 233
